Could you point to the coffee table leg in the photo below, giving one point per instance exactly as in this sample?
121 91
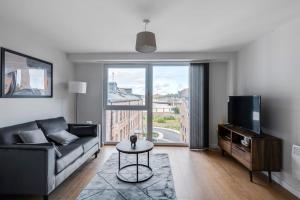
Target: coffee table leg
119 161
137 167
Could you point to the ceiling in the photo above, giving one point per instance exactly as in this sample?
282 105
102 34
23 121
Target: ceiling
180 25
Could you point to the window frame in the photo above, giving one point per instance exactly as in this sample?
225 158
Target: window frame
148 106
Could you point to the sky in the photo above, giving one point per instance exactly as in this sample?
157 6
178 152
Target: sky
166 79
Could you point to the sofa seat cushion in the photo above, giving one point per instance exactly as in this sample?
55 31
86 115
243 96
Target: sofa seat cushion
69 153
87 142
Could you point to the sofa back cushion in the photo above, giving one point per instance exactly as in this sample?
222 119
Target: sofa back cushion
52 125
9 135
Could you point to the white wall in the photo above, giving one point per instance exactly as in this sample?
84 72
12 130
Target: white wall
218 95
13 111
270 66
90 103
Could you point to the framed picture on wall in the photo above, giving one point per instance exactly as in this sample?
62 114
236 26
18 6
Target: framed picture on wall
23 76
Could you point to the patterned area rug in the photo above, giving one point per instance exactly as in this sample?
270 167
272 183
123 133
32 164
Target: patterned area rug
106 186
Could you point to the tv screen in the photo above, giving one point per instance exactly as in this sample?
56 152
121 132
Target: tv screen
244 112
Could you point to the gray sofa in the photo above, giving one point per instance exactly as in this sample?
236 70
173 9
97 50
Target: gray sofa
27 169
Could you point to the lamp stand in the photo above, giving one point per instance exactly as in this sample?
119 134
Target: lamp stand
76 113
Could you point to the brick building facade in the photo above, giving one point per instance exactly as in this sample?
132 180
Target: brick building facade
120 124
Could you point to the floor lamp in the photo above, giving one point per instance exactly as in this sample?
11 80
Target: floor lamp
77 87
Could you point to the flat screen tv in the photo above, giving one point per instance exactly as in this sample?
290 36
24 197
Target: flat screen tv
245 112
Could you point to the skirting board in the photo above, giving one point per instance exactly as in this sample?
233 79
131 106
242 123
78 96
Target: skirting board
213 146
285 185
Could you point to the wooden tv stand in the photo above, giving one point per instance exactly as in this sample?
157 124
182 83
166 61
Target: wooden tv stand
263 154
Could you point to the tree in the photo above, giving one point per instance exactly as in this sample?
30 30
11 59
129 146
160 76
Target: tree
176 110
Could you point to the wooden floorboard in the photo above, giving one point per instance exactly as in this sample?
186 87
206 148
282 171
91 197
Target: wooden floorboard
198 175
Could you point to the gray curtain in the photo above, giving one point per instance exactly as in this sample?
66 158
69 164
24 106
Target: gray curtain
199 107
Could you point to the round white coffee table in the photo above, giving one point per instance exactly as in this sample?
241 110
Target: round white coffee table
142 146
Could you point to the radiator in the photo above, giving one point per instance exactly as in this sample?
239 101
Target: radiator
296 161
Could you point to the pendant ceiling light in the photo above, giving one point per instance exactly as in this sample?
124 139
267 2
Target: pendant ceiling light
145 40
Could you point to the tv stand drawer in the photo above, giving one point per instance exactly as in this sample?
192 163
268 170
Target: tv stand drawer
241 155
225 145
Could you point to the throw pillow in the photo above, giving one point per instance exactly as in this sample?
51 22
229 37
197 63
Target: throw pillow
33 137
62 137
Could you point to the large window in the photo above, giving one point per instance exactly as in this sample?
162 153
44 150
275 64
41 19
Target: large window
151 101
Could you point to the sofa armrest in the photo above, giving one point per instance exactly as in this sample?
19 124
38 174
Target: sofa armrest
84 130
27 169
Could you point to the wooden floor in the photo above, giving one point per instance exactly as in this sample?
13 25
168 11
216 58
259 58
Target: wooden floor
197 175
